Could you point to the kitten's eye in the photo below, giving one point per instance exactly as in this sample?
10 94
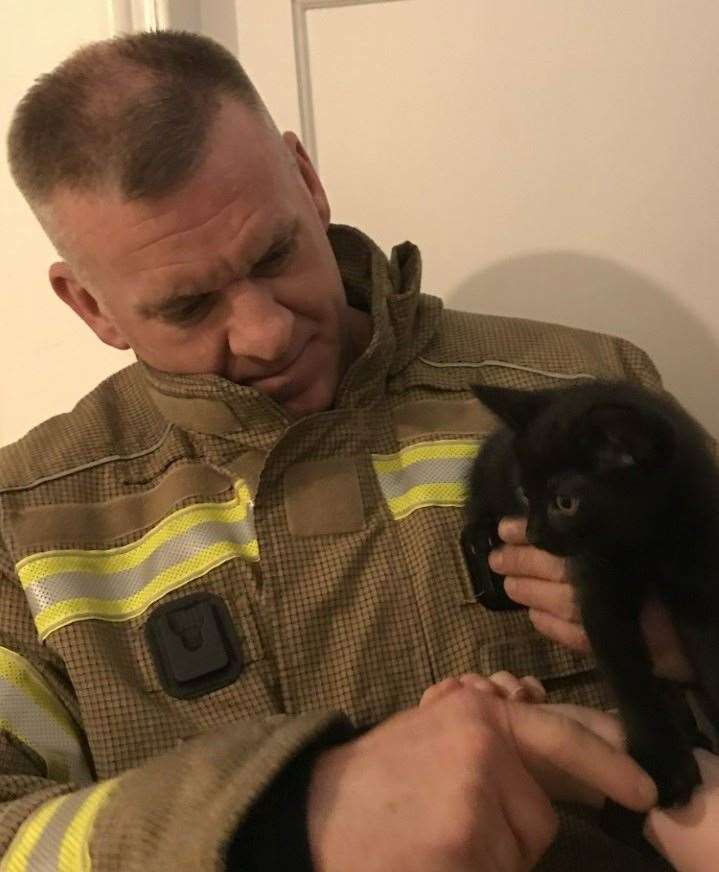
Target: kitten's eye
521 495
566 505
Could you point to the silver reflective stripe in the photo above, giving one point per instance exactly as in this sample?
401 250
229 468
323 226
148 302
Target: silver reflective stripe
424 474
45 854
30 711
394 484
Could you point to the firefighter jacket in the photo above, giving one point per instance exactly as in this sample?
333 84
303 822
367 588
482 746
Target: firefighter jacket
195 588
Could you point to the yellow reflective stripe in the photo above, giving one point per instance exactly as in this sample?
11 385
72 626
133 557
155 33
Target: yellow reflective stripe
425 495
105 562
56 836
30 711
120 583
436 450
27 837
75 848
67 612
434 473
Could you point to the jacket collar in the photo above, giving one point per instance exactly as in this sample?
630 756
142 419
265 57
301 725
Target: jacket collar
403 322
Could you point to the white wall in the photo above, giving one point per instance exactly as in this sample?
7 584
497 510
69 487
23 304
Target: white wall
48 357
553 159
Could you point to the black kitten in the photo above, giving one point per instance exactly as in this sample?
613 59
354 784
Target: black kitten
623 483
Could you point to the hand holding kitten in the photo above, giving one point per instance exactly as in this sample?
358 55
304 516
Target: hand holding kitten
539 580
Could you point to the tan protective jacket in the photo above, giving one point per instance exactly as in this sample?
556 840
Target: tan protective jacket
333 543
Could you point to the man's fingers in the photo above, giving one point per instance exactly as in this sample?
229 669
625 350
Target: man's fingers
513 531
535 687
565 632
547 596
526 689
437 691
528 562
481 683
608 725
545 735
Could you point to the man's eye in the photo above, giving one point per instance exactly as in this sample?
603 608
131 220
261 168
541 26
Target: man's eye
191 308
195 306
277 257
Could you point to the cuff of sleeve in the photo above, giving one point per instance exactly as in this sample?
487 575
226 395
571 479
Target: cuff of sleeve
274 833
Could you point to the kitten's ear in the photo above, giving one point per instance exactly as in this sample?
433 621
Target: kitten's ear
627 436
517 408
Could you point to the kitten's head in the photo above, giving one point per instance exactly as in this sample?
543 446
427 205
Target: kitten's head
590 460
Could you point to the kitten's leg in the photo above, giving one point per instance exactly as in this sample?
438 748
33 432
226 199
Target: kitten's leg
611 620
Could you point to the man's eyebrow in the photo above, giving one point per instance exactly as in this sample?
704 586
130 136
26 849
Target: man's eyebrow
283 234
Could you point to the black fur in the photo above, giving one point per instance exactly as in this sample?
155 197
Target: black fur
622 482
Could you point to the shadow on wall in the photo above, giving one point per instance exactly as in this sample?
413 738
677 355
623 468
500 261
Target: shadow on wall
594 293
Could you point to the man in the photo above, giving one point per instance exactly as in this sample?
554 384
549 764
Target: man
231 572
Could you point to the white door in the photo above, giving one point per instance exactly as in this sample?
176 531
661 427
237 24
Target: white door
553 159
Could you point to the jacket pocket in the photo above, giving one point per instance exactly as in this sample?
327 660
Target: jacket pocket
254 693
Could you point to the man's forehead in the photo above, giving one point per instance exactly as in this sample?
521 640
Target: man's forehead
214 269
138 237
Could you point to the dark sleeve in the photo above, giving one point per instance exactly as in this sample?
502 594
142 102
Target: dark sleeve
274 834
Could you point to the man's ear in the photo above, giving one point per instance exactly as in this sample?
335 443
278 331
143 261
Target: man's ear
302 163
517 408
84 304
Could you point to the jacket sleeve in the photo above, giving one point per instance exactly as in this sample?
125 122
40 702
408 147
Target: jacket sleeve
178 811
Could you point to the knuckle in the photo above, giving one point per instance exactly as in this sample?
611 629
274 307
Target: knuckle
450 683
472 723
502 675
436 691
478 683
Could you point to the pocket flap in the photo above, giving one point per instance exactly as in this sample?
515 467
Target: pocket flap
533 655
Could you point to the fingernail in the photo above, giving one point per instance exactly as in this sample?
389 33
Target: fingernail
535 684
495 560
510 585
521 694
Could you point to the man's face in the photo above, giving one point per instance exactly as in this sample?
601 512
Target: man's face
233 275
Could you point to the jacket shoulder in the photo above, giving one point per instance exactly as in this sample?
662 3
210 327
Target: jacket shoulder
536 348
116 419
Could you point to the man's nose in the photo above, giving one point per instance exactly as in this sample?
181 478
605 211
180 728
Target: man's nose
260 327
